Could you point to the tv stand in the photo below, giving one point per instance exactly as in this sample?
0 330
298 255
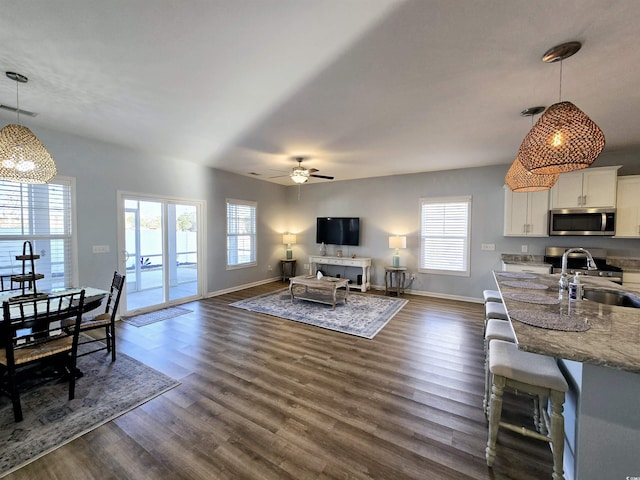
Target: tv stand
357 262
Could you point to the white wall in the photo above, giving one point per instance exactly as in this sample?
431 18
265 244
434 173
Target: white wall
102 169
390 205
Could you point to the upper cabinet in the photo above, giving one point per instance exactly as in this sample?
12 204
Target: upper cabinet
526 213
590 187
628 207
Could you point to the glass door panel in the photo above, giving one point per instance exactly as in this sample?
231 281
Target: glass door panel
183 251
161 252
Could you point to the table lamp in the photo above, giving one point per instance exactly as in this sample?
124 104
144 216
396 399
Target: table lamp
289 239
397 242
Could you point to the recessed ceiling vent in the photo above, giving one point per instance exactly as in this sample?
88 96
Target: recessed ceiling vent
20 111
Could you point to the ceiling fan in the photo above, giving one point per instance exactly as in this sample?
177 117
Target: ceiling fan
300 174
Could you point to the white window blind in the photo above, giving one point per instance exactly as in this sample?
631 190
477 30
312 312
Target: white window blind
241 233
444 246
43 215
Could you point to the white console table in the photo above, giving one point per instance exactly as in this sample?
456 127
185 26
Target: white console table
357 262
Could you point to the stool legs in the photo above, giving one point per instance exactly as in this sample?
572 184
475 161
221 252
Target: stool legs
557 433
495 412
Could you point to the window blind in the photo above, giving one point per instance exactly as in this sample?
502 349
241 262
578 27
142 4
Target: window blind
445 235
241 233
43 215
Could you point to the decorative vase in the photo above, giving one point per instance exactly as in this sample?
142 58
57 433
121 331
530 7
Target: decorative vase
323 249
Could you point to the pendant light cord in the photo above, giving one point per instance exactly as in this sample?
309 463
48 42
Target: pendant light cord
17 102
560 89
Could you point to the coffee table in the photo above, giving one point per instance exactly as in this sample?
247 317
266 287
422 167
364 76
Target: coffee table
324 290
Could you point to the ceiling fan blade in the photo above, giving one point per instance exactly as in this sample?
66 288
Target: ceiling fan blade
322 176
313 170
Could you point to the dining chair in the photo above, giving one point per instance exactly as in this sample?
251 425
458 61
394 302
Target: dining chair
105 320
35 342
8 284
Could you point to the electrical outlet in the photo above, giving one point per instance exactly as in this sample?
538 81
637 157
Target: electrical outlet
269 268
524 248
488 246
413 276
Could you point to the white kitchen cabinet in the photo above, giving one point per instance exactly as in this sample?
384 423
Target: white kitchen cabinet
526 213
628 207
526 267
590 187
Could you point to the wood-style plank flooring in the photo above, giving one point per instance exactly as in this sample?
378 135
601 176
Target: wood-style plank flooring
267 398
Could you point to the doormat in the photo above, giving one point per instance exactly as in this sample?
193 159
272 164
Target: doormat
363 315
157 316
105 391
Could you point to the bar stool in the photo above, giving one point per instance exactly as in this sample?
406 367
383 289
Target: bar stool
491 296
536 375
496 330
493 310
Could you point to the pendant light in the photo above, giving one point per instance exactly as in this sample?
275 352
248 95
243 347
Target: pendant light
564 138
23 158
518 178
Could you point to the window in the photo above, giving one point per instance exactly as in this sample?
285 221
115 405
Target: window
42 214
444 241
241 233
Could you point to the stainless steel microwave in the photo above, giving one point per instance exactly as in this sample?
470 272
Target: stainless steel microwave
582 221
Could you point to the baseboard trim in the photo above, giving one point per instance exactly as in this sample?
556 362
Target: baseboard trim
242 287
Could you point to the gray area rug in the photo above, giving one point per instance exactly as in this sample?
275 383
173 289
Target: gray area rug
157 316
106 391
363 315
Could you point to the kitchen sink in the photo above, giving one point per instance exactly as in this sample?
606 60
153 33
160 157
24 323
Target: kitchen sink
612 297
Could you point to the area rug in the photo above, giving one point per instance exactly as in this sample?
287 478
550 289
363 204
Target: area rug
105 391
363 315
157 316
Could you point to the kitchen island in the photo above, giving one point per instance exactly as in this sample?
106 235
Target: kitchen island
601 363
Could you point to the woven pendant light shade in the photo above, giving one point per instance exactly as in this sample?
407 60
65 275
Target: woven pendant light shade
23 158
563 139
519 179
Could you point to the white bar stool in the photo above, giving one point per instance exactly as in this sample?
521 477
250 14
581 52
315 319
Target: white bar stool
496 330
536 375
491 296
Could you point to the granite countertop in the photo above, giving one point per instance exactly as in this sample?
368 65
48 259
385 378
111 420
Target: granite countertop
613 339
627 264
519 259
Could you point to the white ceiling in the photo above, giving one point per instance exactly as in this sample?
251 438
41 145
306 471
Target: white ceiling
362 87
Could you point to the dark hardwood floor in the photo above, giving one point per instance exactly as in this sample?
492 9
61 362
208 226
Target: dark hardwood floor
267 398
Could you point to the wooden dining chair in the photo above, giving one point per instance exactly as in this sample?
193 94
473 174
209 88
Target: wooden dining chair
8 284
35 340
105 320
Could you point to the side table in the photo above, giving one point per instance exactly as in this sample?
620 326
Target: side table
288 268
400 274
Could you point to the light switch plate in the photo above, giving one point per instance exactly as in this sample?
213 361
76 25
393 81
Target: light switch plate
101 249
489 246
524 248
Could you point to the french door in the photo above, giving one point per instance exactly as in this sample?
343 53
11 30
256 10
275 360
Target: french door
160 250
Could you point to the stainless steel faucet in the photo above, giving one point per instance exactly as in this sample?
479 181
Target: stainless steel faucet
591 265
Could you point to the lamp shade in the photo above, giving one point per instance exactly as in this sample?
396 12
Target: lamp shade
289 239
519 179
563 139
398 241
23 158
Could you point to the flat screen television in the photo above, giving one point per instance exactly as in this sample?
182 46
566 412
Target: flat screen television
338 230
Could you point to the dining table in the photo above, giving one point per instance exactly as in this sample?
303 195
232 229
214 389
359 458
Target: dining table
93 298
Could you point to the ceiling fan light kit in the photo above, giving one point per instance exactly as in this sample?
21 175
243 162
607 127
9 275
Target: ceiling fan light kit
23 158
564 138
301 175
